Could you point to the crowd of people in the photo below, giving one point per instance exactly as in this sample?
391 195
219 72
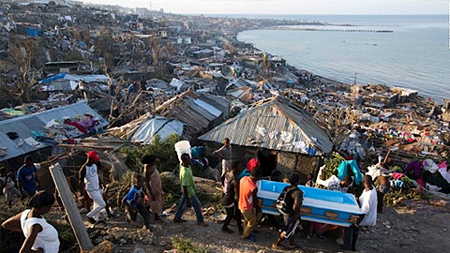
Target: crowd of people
146 197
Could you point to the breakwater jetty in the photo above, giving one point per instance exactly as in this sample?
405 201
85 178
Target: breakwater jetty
327 30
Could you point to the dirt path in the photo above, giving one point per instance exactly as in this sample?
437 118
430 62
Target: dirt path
419 227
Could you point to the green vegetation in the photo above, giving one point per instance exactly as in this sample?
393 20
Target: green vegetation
331 165
397 197
67 238
213 199
184 245
10 241
171 189
164 149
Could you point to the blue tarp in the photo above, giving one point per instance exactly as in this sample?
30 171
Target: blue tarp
53 78
33 32
342 170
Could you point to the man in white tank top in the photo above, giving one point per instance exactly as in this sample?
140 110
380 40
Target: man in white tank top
90 181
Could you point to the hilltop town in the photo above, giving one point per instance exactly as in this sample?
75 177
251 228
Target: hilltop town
124 82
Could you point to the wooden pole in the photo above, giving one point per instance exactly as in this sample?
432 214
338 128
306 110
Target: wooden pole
71 208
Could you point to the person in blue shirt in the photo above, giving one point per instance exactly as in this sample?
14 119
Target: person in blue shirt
26 177
133 202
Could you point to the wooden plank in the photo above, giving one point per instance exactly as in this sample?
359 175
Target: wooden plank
90 145
71 208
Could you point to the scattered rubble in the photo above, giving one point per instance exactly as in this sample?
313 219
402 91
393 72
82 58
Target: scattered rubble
78 77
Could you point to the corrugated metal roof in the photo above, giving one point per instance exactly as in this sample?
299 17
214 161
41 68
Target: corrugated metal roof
263 125
194 115
218 102
36 122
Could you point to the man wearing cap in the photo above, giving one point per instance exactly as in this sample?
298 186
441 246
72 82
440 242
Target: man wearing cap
251 165
90 181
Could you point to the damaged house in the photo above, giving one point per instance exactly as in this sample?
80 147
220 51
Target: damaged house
277 131
199 112
37 134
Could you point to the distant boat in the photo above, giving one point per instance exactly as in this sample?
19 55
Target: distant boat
375 45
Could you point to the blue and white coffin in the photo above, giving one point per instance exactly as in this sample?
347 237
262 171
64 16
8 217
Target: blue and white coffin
319 205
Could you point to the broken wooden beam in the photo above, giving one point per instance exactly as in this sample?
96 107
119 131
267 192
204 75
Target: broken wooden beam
85 146
71 208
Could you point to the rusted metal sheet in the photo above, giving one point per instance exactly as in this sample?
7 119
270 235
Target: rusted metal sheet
263 126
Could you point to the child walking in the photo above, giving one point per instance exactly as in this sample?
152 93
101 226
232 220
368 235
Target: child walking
133 202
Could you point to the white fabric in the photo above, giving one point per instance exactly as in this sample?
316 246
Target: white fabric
376 170
332 179
32 142
430 166
368 202
261 130
274 135
91 179
433 188
445 174
47 239
286 136
99 203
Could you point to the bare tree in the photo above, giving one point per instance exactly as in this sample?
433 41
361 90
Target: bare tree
155 50
166 51
22 53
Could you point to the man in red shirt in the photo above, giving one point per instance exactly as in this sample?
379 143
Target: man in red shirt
248 203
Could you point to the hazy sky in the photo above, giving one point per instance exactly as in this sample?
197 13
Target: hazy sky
290 6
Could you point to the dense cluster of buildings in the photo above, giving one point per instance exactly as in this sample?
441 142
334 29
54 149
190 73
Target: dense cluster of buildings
135 68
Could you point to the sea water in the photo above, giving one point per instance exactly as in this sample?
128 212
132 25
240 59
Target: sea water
415 55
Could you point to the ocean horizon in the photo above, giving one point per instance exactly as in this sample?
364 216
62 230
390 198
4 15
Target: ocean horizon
415 55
